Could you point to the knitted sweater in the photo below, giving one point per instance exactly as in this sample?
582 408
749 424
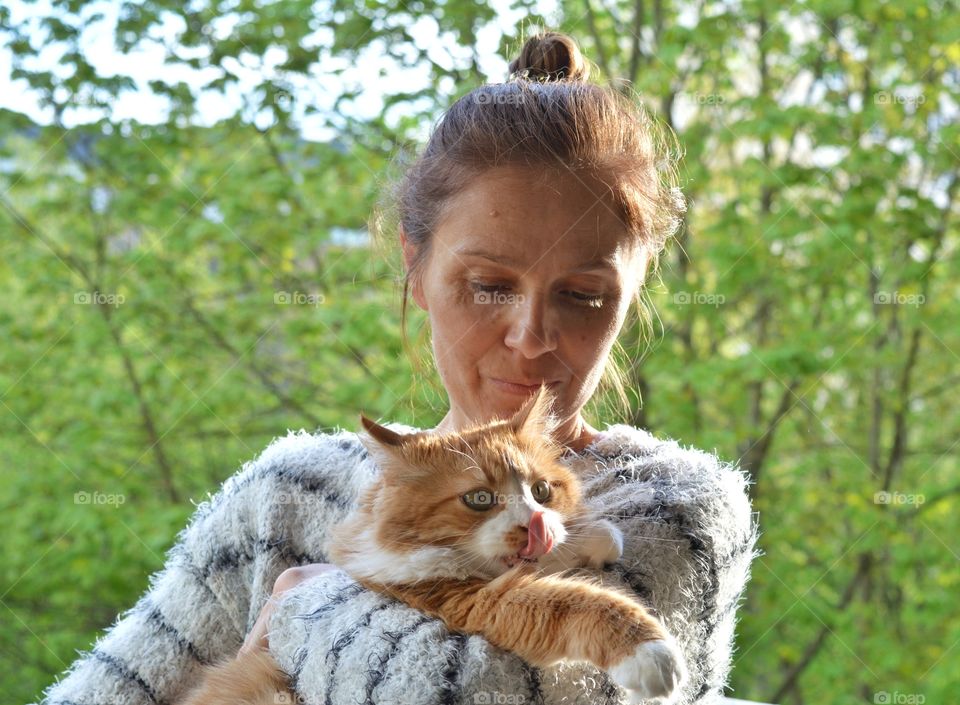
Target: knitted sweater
689 539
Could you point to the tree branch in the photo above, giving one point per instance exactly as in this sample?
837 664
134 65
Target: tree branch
813 648
228 347
638 19
146 415
597 43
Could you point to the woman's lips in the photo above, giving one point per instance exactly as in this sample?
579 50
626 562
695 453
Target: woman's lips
524 389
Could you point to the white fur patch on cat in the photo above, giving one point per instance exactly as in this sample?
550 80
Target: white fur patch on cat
370 560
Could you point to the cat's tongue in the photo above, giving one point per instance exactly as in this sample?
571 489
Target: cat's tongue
539 538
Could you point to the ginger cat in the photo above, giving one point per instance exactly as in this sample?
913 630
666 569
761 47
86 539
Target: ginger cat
473 528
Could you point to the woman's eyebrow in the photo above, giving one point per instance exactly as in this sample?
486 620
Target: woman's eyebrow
601 263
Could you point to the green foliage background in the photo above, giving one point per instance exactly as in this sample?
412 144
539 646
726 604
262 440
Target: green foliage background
807 316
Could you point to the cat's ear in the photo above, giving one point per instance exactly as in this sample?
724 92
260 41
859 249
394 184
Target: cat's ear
382 433
536 417
385 446
382 443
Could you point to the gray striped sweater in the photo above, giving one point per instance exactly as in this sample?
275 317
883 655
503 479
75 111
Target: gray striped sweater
689 539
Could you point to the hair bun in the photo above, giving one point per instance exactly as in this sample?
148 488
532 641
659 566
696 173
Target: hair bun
550 56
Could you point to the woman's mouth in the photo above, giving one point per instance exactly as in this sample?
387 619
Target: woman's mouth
517 388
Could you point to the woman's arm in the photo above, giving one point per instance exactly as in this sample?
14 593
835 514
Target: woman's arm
258 638
199 607
690 537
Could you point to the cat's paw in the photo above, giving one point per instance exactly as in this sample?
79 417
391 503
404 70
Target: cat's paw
655 671
593 544
604 544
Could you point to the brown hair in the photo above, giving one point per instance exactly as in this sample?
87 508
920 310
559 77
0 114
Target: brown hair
546 114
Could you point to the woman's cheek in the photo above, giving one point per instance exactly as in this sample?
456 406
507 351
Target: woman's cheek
588 339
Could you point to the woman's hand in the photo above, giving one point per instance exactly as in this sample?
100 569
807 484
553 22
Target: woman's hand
291 577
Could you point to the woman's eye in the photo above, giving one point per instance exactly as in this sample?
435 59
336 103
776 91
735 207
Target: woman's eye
580 298
593 300
541 490
480 500
487 287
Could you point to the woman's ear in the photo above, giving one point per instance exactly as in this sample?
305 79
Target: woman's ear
409 255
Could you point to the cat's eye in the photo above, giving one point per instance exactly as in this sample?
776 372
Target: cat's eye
541 490
481 500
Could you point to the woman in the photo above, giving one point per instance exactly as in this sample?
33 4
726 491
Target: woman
528 225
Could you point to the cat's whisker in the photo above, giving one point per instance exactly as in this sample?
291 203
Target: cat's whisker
475 466
631 517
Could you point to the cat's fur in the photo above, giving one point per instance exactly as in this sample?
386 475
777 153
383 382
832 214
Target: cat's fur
490 571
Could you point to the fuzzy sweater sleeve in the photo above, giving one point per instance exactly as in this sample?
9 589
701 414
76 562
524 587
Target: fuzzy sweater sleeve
689 541
201 604
691 538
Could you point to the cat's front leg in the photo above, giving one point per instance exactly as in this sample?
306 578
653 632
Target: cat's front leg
593 543
548 618
584 621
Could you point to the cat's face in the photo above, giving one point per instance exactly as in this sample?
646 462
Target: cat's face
494 496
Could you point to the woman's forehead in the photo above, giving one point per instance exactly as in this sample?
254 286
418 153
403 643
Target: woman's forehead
532 249
509 219
533 193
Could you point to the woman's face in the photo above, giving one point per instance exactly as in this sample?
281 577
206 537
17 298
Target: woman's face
529 277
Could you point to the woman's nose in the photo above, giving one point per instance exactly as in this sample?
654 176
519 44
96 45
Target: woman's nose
530 331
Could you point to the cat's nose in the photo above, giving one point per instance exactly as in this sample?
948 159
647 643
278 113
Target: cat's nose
539 537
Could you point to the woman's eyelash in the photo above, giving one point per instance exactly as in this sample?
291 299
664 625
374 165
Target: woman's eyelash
486 287
587 298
